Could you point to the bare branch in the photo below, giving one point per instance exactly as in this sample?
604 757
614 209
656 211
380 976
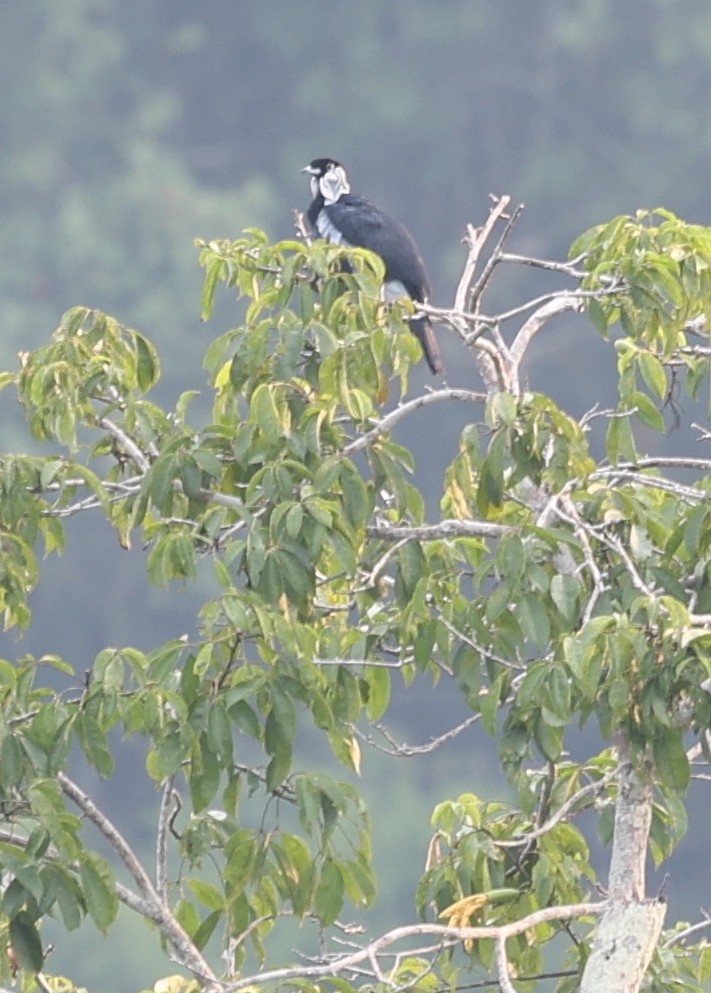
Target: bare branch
560 304
448 936
567 268
405 751
110 832
483 281
502 966
686 493
538 302
563 812
484 652
165 816
125 895
185 950
571 516
371 578
360 662
445 530
680 936
126 443
389 421
476 238
302 228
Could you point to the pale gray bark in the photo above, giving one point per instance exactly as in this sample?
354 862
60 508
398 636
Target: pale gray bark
629 927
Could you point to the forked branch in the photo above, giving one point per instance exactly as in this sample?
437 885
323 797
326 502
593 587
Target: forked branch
186 952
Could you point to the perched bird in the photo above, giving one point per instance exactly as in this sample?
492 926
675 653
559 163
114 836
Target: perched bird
342 218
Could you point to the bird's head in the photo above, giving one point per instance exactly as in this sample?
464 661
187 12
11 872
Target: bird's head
328 178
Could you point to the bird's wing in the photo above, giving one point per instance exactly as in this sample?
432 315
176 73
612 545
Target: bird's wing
364 225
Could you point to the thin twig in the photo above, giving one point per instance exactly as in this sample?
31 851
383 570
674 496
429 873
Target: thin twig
400 750
567 268
476 238
483 281
680 936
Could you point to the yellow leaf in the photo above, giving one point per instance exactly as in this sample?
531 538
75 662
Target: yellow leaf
460 504
175 984
460 912
354 752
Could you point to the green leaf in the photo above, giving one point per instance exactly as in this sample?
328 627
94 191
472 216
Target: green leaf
190 477
620 440
213 275
502 409
240 852
208 895
219 732
26 943
355 496
204 777
532 686
670 760
597 317
490 490
548 738
265 414
511 557
147 368
63 887
653 374
411 567
646 410
206 930
329 893
308 802
278 746
99 891
378 682
159 482
166 756
94 745
534 621
564 593
187 915
11 763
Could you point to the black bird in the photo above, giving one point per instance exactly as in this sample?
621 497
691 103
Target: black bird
345 219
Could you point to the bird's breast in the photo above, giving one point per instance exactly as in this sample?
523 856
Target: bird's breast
328 230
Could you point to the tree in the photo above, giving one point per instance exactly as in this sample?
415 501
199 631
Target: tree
557 587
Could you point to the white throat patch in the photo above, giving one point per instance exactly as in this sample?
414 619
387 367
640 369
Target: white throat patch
333 184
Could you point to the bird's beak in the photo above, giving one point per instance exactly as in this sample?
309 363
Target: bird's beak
310 170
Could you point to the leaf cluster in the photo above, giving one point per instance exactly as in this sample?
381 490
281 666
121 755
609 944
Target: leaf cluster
558 588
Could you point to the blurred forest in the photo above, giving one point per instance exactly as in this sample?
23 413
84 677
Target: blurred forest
129 129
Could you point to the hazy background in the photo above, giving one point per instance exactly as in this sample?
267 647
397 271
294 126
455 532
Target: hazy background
130 128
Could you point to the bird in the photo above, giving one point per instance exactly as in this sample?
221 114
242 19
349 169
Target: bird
342 218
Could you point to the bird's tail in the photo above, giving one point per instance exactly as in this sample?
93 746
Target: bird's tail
424 332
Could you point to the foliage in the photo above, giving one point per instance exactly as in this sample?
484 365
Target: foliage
559 587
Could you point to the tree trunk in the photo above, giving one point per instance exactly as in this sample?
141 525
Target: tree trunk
629 929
